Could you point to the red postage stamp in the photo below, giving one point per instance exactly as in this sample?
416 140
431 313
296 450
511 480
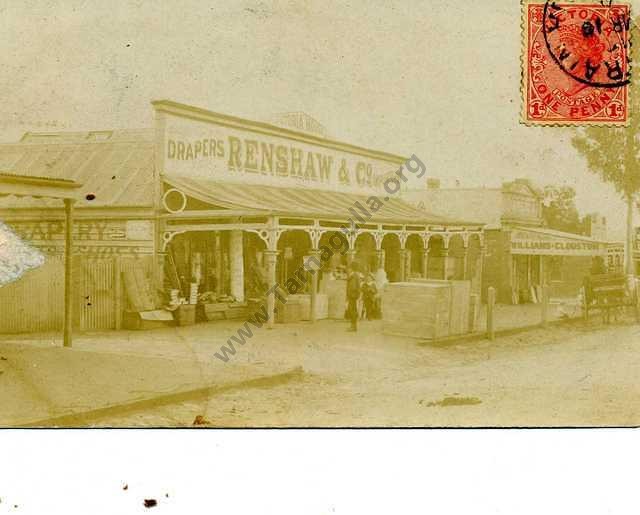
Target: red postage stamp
575 63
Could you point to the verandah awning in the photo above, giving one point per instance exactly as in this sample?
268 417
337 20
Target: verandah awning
305 202
548 242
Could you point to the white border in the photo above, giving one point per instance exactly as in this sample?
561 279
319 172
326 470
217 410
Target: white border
320 471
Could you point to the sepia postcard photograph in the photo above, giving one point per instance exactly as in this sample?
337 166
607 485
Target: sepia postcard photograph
305 214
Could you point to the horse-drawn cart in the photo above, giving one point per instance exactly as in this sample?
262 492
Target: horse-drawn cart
607 293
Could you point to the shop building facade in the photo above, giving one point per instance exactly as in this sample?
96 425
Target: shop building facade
113 227
228 204
521 254
615 257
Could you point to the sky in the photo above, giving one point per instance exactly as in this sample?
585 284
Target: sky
438 79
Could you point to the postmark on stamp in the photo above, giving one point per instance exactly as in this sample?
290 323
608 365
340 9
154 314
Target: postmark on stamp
576 67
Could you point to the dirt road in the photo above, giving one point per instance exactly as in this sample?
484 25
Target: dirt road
560 376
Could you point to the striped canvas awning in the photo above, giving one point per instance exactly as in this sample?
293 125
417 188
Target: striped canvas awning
305 202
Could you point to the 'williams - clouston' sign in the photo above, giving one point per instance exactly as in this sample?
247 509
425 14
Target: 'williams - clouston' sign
543 243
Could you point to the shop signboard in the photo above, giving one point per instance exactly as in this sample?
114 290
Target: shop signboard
139 230
100 237
200 144
552 244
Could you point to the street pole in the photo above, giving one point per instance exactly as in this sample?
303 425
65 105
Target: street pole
545 304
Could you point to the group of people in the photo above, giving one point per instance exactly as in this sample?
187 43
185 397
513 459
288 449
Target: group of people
361 287
363 298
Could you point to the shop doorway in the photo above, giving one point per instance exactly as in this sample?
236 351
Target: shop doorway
366 253
415 249
198 257
294 245
435 262
520 280
456 255
391 247
526 278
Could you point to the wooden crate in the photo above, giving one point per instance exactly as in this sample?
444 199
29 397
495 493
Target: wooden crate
460 299
215 310
304 300
417 309
288 312
237 311
185 314
132 320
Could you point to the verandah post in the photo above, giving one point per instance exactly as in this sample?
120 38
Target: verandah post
117 291
403 264
271 257
425 262
313 305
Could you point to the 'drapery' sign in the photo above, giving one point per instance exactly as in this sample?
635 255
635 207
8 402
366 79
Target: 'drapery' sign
221 148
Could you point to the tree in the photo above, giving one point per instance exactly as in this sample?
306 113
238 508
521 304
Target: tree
559 209
612 153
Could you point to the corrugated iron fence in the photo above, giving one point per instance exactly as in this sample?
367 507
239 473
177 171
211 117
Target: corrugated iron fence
34 303
94 293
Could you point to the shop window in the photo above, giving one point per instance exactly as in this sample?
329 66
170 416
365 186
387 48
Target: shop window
555 268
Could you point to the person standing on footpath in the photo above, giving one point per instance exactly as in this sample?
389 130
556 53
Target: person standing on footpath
354 288
369 294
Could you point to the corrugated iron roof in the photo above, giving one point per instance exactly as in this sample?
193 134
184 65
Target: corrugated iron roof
114 166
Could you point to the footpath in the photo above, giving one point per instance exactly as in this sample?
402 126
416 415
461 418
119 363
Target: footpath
43 384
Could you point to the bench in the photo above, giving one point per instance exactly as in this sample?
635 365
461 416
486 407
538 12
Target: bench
606 292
